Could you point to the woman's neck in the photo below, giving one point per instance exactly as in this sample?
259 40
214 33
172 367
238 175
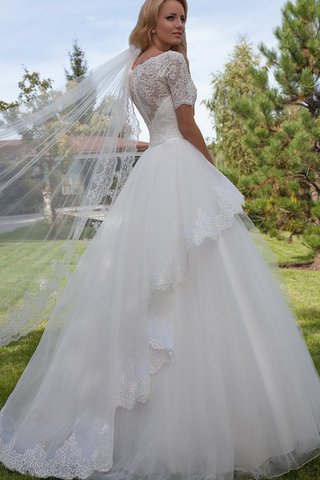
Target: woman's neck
161 48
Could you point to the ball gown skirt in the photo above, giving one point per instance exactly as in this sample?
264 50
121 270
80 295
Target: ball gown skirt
171 352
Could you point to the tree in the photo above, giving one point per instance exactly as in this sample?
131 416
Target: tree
6 105
296 68
35 93
79 68
228 86
283 125
78 63
282 128
92 121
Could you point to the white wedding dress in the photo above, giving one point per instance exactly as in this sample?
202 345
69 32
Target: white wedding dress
180 357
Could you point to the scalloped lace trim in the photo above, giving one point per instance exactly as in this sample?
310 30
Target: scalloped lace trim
167 273
68 461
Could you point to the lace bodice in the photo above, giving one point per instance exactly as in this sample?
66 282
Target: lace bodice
158 86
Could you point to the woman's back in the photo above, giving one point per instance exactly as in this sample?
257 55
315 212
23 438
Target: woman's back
158 86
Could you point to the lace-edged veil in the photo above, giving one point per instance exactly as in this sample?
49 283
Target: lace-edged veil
64 157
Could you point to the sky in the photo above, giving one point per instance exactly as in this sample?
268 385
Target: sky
39 33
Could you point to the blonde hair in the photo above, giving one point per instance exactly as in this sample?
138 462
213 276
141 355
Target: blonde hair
141 36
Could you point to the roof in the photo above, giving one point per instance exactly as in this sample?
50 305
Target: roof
83 145
94 144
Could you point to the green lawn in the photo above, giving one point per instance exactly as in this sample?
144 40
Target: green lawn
294 252
303 287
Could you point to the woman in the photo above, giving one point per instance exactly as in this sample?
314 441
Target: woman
171 351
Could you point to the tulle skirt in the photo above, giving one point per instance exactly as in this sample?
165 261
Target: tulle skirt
172 352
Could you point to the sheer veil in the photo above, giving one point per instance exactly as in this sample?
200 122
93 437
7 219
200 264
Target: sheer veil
230 371
64 157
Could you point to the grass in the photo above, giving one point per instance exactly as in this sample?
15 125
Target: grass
294 252
303 287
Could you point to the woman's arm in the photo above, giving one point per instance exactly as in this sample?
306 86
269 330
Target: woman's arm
191 131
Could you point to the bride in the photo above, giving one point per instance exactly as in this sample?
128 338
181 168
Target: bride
172 350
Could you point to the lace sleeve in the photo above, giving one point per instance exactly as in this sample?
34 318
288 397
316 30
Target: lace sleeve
182 88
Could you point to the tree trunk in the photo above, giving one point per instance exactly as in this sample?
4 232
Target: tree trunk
315 189
316 262
48 208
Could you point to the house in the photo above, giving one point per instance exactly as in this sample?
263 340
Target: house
74 168
85 154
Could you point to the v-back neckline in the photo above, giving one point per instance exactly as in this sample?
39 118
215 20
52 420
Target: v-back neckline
147 60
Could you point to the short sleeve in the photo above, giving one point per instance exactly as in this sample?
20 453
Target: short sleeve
182 88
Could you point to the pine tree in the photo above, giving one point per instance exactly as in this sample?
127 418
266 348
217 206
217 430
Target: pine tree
79 68
234 82
283 126
296 68
78 63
